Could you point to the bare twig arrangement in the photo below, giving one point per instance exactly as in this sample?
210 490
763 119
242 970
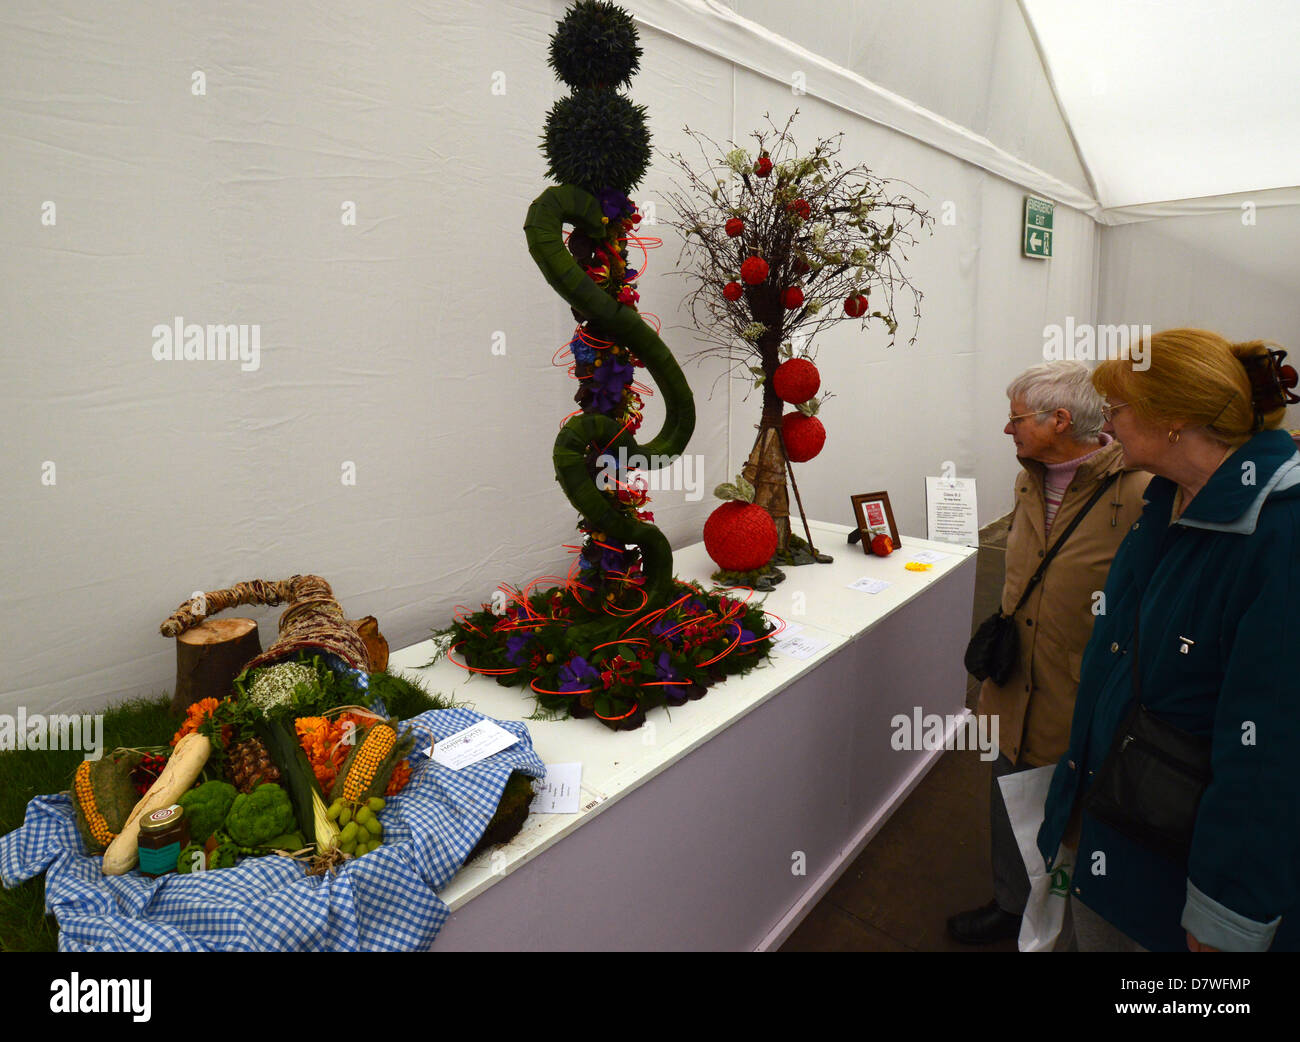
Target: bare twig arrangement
834 234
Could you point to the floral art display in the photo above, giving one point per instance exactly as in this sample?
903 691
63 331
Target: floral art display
620 635
782 243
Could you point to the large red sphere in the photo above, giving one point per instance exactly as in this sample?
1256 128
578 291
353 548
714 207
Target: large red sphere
804 436
735 227
792 298
763 166
855 307
754 270
740 536
796 381
732 291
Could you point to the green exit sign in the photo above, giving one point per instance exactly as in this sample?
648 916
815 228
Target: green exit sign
1038 227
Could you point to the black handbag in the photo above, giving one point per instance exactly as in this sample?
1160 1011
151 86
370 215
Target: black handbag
1150 785
992 651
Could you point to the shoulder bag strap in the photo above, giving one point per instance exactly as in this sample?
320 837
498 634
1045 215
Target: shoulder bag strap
1038 575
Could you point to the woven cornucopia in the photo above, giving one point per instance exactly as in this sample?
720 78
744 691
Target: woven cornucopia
314 621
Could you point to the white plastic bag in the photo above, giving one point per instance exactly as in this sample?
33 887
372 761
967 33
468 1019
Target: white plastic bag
1025 794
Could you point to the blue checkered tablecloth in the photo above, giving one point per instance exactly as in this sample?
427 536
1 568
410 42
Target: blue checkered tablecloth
385 901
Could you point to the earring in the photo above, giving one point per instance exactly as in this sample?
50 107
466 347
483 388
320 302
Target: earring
1173 437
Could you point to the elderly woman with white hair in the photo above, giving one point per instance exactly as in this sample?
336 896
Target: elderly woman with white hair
1071 470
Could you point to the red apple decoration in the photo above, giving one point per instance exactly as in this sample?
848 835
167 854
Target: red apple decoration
855 306
804 436
732 291
754 270
740 536
882 545
792 298
735 227
796 381
763 166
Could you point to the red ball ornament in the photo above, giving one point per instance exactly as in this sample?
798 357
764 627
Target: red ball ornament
763 166
732 291
740 536
796 381
882 545
754 270
804 436
855 307
792 298
801 207
735 227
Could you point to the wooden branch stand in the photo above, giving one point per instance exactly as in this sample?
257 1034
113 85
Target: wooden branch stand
209 656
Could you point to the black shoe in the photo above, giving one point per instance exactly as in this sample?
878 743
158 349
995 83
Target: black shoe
984 925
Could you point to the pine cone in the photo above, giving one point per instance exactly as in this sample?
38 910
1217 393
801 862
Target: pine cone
250 765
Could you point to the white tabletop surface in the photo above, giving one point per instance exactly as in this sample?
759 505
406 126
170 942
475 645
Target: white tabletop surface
816 598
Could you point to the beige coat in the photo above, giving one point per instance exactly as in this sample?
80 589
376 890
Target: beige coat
1036 703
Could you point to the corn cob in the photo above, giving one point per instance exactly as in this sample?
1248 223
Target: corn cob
378 743
85 793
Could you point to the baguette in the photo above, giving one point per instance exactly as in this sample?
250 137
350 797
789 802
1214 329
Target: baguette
182 770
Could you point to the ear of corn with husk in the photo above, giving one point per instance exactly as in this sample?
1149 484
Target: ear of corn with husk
103 797
370 764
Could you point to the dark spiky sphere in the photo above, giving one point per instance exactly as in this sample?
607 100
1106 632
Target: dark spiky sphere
594 45
597 139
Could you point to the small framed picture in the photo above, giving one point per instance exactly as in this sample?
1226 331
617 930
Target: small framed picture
874 515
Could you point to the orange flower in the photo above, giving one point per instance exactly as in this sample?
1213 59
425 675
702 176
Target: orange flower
401 775
194 716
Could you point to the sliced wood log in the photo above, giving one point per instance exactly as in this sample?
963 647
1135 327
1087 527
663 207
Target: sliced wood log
209 656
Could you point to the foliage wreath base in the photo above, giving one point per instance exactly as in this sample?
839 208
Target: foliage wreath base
612 663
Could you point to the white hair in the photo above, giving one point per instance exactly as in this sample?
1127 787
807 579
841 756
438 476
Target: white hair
1061 385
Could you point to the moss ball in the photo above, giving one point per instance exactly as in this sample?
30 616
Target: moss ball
595 45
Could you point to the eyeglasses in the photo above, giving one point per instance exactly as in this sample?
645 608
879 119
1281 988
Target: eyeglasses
1108 411
1015 420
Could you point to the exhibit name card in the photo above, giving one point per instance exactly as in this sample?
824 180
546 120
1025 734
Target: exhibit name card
474 743
950 514
559 791
868 585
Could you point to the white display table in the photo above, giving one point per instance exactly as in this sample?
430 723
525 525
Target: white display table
719 824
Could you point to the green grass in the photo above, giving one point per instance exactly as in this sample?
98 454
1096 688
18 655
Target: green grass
24 926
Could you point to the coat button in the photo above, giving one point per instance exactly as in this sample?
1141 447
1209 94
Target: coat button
1026 687
1029 622
1072 766
1114 648
1040 553
1024 489
1135 526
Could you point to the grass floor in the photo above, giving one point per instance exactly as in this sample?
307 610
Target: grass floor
24 926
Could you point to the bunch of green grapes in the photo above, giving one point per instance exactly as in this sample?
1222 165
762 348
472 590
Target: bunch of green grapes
360 831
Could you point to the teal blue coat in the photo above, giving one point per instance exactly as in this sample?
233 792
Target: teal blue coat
1220 600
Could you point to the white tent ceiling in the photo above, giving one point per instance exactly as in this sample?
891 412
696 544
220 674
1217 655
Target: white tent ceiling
1176 99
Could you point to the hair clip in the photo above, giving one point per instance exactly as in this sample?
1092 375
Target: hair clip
1270 383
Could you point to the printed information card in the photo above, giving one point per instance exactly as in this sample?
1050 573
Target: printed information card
560 791
475 743
950 512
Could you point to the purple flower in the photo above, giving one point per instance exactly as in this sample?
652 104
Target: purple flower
664 668
661 625
515 647
578 675
613 203
607 383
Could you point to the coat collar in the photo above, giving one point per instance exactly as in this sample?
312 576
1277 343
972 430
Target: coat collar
1108 459
1229 502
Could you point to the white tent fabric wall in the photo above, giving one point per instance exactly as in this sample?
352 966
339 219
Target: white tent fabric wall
377 338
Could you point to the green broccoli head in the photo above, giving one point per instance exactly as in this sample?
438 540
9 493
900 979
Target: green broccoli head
259 816
206 807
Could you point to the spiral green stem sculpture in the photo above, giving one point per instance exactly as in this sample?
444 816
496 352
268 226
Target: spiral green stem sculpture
544 230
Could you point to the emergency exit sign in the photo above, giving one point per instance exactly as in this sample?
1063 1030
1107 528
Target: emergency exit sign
1038 227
